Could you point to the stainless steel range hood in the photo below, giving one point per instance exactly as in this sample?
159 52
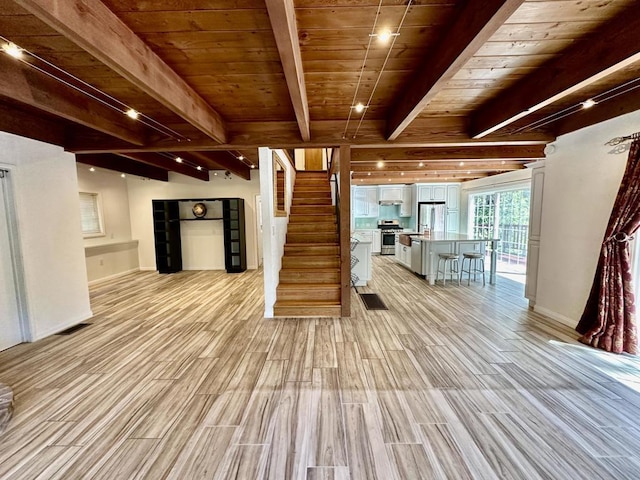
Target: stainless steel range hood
390 202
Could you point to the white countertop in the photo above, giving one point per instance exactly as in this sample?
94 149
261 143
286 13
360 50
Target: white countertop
360 238
451 237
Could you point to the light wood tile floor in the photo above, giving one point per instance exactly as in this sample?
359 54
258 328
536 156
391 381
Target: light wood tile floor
180 377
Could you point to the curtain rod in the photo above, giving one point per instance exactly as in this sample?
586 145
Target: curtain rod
618 140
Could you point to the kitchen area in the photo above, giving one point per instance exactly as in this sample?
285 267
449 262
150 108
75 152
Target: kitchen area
413 223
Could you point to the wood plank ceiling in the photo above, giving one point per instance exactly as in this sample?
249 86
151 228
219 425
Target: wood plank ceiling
464 90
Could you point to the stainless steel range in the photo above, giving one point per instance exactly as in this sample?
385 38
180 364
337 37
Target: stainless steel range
388 229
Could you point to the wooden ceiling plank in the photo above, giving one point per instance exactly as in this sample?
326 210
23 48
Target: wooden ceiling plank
124 165
165 163
225 161
29 125
475 24
611 48
438 166
23 84
101 33
283 22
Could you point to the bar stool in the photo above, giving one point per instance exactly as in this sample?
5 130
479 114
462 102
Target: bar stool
450 259
475 266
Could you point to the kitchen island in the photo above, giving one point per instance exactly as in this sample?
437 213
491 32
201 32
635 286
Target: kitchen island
425 250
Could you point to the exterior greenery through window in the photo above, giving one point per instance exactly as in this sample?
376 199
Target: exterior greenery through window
90 215
504 215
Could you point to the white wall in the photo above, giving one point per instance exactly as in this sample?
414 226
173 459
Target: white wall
581 182
50 236
274 229
115 253
202 242
505 181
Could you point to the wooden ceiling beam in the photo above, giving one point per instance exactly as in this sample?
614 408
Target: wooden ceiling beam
473 27
622 104
37 127
283 22
165 163
125 165
436 166
522 152
225 161
610 48
22 84
96 29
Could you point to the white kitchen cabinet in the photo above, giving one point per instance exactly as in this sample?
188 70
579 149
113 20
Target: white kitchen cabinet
376 245
453 197
535 231
365 202
453 221
406 208
390 193
432 193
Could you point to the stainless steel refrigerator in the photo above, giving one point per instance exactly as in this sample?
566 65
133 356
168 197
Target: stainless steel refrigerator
431 216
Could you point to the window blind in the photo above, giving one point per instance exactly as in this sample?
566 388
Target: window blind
90 214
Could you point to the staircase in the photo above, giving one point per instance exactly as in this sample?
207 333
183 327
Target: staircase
310 274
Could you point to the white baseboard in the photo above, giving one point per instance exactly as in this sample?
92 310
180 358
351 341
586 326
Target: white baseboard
569 322
147 269
39 335
111 277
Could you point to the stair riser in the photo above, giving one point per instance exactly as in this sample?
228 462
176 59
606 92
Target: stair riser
312 238
309 250
309 262
329 294
312 178
328 311
301 189
305 209
312 227
311 201
292 276
312 218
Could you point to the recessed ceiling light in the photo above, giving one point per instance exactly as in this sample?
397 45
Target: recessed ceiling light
131 113
389 180
123 175
215 174
178 159
369 173
588 103
253 166
380 164
421 164
461 164
12 50
503 162
401 173
92 169
361 181
468 172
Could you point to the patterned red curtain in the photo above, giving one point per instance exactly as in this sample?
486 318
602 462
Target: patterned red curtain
609 318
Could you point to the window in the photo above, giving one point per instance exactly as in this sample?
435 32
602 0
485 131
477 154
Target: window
90 215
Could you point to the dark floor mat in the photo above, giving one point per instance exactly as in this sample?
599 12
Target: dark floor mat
73 329
372 301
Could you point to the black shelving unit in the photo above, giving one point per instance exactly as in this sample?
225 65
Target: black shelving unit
235 249
168 243
166 232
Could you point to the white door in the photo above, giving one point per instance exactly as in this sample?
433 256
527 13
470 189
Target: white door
10 333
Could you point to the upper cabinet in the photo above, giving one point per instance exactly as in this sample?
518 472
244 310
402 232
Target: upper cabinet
453 197
407 206
432 193
390 193
365 202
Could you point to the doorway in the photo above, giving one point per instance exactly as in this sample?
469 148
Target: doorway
504 215
11 331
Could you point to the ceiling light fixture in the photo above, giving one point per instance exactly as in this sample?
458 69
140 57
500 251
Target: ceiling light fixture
12 50
369 173
92 169
461 164
380 164
359 107
199 167
178 159
133 114
123 175
253 166
241 157
588 103
421 164
384 36
401 173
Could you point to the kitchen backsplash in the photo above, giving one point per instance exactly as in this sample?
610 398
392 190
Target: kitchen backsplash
405 222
